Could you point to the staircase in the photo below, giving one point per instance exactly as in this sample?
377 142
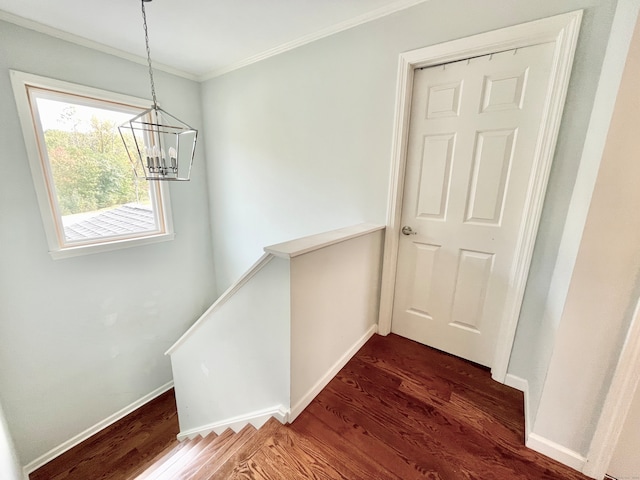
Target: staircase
276 337
210 457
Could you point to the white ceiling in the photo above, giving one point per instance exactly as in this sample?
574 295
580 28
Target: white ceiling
199 38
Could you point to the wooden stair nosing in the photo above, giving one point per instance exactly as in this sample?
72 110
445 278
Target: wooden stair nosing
257 440
209 469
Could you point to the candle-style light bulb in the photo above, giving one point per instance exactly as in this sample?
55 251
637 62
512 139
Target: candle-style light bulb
148 154
173 157
156 157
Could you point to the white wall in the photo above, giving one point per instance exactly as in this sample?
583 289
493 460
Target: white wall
81 338
547 290
9 463
301 142
297 144
605 284
236 360
625 464
334 305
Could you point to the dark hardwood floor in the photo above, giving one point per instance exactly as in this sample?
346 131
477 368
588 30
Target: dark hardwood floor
398 410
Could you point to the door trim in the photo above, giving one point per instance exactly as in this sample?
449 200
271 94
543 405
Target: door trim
563 31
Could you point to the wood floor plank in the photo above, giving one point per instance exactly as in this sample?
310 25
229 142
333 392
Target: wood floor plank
137 464
293 459
206 455
249 448
146 430
340 450
397 411
209 470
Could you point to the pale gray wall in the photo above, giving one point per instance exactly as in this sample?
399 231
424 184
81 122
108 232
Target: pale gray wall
297 144
605 282
83 337
541 345
301 142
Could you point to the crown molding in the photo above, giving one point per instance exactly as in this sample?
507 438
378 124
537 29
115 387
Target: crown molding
85 42
312 37
285 47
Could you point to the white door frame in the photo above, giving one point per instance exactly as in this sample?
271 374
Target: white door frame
561 30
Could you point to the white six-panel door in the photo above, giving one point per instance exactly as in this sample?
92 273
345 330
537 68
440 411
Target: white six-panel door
473 137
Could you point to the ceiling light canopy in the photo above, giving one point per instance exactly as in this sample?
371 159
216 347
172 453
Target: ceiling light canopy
160 146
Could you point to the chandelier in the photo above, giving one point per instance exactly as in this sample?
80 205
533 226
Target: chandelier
160 146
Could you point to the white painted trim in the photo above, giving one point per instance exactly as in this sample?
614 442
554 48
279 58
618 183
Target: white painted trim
308 397
257 419
304 40
300 246
80 250
285 47
82 436
230 292
396 193
626 380
555 451
516 382
85 42
523 385
41 171
563 31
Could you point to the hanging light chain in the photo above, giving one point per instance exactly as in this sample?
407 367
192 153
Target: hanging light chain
146 40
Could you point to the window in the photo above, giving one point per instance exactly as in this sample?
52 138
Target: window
89 196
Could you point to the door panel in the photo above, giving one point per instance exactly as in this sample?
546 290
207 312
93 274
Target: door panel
433 191
472 141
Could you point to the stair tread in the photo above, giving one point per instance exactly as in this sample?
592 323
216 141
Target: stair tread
269 429
156 465
209 469
183 461
157 469
207 453
151 462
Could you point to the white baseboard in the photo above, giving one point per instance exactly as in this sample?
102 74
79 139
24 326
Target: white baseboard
556 451
516 382
332 372
538 443
257 419
522 385
82 436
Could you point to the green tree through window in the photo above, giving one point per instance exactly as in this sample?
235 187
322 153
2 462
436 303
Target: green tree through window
91 168
89 196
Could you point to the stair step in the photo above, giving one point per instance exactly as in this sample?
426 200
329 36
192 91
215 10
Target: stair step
157 469
214 456
210 469
183 461
153 461
205 455
249 448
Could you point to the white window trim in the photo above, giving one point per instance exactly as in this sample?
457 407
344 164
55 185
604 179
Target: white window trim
20 81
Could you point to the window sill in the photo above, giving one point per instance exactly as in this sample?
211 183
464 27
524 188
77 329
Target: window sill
80 250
